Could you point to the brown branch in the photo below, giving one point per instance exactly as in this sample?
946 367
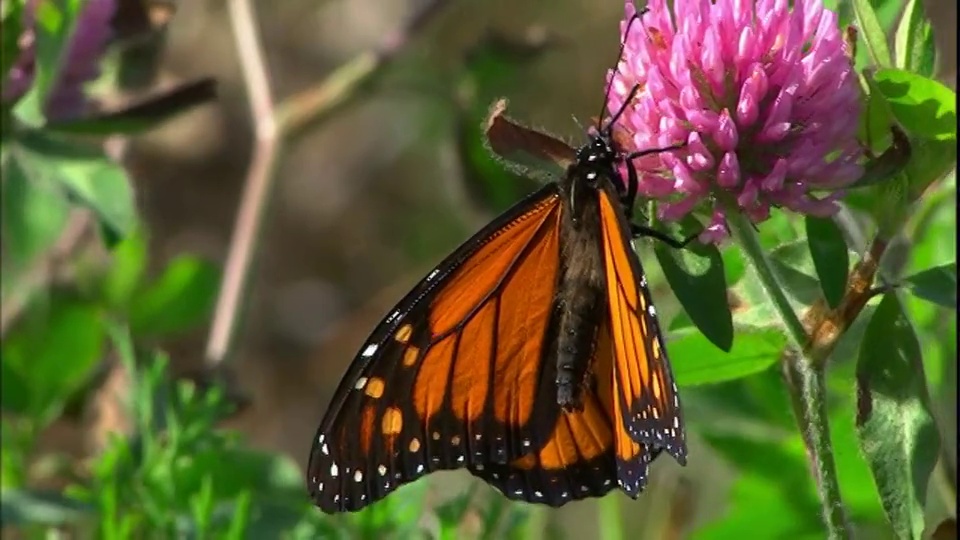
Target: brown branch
825 326
274 123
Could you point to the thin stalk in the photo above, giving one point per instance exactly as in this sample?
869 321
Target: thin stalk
610 519
746 237
805 380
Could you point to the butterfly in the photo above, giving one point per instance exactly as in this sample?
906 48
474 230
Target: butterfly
531 356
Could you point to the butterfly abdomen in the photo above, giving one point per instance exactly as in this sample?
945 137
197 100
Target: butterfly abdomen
581 291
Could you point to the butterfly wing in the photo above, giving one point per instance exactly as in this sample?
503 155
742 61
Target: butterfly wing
455 377
646 397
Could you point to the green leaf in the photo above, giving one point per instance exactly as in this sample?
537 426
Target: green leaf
396 515
873 33
897 432
925 107
451 513
103 187
938 285
877 119
794 267
240 520
696 276
129 260
757 508
931 161
35 211
695 360
830 257
914 45
201 505
754 407
180 298
49 357
773 497
85 173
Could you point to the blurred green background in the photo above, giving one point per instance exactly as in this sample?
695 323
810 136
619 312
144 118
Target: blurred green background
368 199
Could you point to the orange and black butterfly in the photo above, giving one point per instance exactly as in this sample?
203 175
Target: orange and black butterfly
531 356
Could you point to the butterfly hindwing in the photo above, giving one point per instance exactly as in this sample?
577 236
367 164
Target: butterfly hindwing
645 389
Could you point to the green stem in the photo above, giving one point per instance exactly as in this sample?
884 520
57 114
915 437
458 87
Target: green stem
746 237
808 394
805 383
611 521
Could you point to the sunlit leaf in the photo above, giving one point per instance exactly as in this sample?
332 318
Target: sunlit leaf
937 285
830 257
696 276
180 298
696 360
925 107
896 428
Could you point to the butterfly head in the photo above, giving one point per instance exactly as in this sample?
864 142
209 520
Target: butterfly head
597 158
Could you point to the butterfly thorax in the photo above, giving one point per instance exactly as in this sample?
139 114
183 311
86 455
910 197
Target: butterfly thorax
580 307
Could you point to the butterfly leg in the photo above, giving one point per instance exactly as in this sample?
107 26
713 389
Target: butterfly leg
633 184
633 180
640 230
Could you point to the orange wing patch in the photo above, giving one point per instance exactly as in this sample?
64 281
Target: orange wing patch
582 452
644 392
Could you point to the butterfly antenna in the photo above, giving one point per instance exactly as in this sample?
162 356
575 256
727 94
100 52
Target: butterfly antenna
616 115
606 94
577 122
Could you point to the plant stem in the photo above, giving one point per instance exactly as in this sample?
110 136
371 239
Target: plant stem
274 123
611 520
808 394
805 380
746 237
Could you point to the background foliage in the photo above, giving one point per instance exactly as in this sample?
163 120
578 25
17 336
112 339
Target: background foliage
114 253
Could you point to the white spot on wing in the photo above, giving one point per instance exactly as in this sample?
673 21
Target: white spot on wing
358 476
361 382
369 350
334 470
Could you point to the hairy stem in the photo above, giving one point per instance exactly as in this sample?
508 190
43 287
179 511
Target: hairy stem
805 380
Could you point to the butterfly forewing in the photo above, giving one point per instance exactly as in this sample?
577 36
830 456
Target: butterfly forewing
451 377
649 405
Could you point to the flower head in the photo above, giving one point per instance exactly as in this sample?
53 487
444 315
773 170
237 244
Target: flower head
764 96
91 32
